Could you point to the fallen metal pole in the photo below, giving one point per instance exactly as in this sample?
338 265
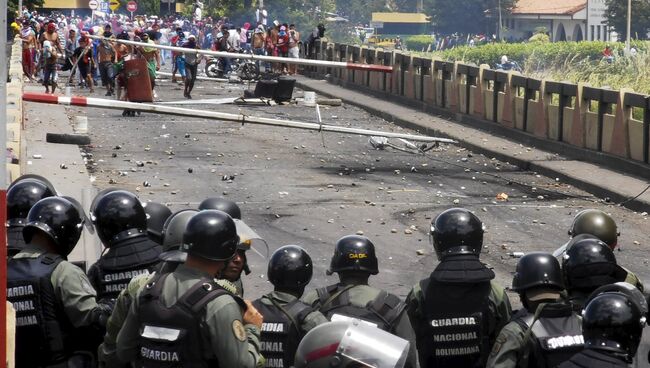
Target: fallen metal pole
240 118
275 59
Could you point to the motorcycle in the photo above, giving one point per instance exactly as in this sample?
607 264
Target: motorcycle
246 69
510 65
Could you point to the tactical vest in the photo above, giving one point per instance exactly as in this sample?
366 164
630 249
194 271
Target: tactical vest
15 240
41 327
457 329
555 339
171 337
383 311
281 330
117 268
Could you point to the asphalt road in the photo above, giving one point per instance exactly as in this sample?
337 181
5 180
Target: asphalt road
310 189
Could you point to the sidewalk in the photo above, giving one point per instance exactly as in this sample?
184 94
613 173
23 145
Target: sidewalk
74 181
604 183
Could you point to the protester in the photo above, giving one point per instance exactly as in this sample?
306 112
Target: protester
192 60
294 49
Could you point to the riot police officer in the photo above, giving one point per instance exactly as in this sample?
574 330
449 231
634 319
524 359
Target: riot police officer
354 261
121 224
185 317
596 223
286 318
170 258
57 314
612 324
588 264
457 312
546 332
157 214
350 344
21 196
239 263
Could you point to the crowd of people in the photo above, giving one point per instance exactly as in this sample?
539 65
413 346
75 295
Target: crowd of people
58 42
168 291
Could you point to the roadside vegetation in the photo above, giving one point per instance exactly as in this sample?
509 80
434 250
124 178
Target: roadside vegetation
566 61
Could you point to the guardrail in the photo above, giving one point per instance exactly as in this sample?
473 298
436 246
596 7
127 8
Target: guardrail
615 123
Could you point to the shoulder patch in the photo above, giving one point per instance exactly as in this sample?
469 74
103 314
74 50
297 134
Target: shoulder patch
238 330
498 344
86 286
229 286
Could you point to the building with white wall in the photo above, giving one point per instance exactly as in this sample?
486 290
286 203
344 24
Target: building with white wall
564 20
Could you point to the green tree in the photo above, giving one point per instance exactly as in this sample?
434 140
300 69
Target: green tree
12 7
616 15
360 12
466 16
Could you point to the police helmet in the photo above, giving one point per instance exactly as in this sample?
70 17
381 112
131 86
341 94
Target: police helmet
597 223
347 344
221 204
119 215
624 288
36 177
590 263
93 204
456 231
174 228
21 197
58 219
537 269
157 214
354 253
613 322
290 267
211 234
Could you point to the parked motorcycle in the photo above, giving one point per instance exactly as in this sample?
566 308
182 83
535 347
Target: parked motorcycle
246 69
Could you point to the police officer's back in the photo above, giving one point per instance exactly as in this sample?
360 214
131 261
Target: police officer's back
157 215
587 265
457 312
612 324
184 317
121 224
172 238
546 332
56 310
354 261
286 318
21 196
596 223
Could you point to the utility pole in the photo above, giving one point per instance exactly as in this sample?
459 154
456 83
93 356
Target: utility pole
3 180
420 6
500 23
629 27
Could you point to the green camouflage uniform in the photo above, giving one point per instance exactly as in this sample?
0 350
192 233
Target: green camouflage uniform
220 338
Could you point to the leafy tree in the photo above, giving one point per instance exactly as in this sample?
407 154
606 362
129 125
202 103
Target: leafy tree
360 12
12 7
466 16
616 15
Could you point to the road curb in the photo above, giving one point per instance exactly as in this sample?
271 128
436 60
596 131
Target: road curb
590 185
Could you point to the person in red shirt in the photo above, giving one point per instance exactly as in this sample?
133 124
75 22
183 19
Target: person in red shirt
283 45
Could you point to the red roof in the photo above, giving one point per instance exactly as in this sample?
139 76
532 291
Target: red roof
551 7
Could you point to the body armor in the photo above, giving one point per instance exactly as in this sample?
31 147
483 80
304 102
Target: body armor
281 330
171 337
557 335
132 257
41 327
457 332
383 311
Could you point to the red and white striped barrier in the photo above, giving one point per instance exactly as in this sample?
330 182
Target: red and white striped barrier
239 118
275 59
